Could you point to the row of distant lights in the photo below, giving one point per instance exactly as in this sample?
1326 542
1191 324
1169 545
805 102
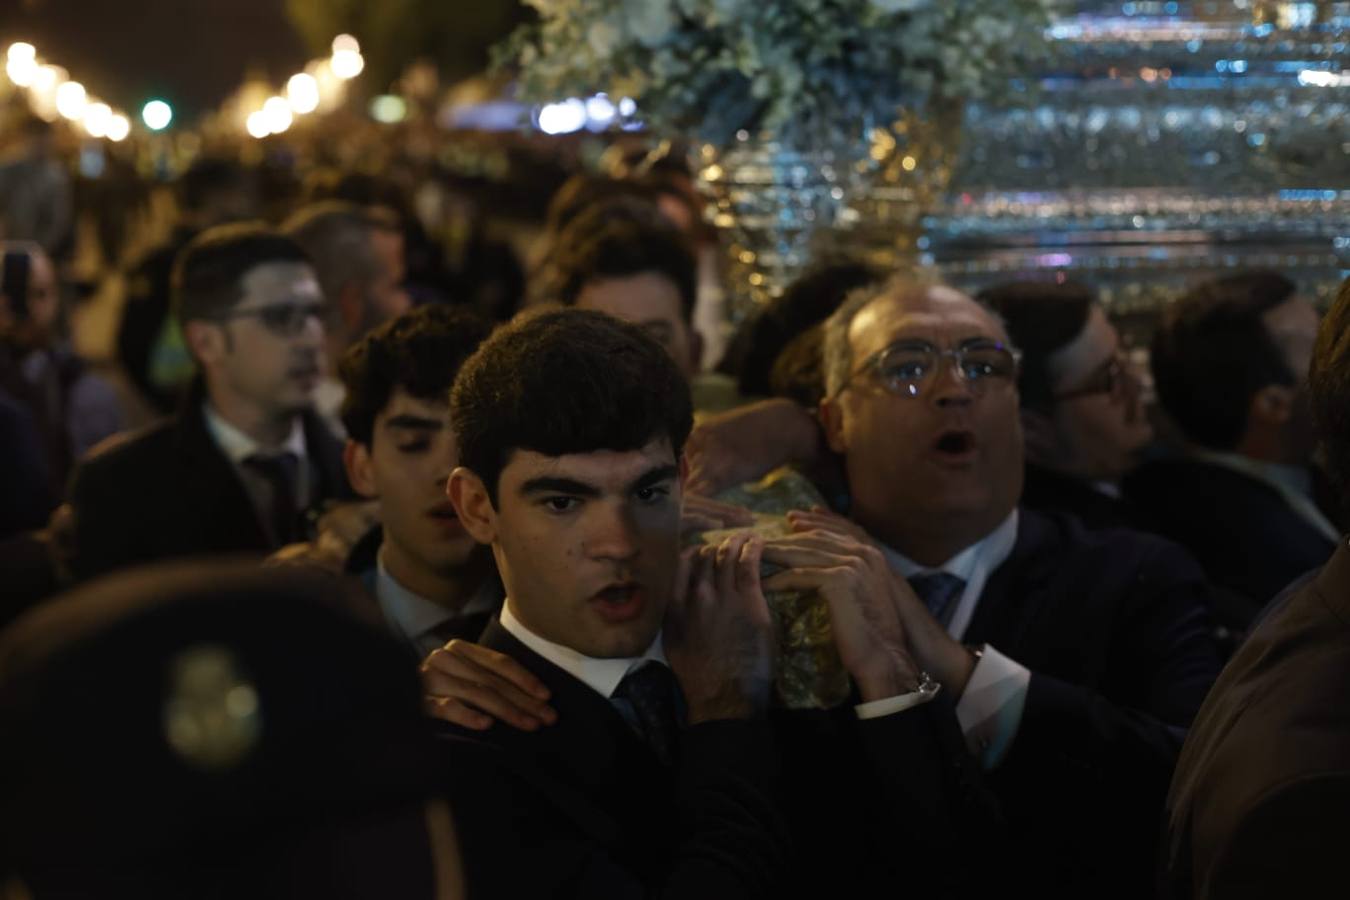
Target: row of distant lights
594 114
52 93
306 90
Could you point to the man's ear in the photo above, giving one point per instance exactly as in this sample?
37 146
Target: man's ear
832 423
360 468
472 504
1273 405
204 340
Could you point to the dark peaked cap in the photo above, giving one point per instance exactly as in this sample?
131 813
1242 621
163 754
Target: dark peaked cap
206 717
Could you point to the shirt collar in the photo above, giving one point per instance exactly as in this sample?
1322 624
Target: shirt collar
415 615
238 446
988 553
601 675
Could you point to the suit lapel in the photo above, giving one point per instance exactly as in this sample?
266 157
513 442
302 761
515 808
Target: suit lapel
1014 595
210 489
590 763
325 453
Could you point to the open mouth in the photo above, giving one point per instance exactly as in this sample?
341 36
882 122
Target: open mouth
619 602
955 446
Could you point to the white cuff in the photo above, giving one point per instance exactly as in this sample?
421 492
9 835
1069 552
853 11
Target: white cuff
990 710
886 706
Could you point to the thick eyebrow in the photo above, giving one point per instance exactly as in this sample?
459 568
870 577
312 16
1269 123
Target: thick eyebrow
549 485
553 485
410 421
985 341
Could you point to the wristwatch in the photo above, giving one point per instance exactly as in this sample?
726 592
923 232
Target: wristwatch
928 687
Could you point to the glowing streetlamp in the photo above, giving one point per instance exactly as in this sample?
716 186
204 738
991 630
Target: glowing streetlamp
157 115
302 93
97 118
119 126
277 115
71 100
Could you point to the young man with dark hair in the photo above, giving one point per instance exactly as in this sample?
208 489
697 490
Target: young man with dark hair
660 774
1083 416
430 578
622 257
245 459
1257 807
1229 361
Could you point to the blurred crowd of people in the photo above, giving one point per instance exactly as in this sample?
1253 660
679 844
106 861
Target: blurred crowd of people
385 553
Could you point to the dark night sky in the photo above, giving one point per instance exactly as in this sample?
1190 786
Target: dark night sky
193 53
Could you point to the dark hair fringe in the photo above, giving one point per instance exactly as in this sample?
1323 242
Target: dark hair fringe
566 381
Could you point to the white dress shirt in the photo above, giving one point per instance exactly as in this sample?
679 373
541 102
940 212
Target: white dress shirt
600 675
413 617
238 446
604 675
990 710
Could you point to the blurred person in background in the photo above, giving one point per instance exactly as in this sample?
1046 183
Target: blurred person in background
429 579
1257 806
72 407
232 760
36 202
211 192
245 465
1083 417
358 257
1230 362
624 258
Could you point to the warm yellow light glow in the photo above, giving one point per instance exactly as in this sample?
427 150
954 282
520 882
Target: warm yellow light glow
302 93
277 114
21 50
908 163
21 71
345 43
157 115
119 126
257 125
47 79
97 118
347 64
71 100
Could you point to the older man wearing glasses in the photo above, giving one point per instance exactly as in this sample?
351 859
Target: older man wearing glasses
1077 658
245 459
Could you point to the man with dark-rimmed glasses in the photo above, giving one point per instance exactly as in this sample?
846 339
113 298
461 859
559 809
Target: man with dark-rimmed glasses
241 464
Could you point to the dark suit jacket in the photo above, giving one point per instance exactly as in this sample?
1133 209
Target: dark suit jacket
583 809
1239 529
1258 805
1114 627
169 491
1048 491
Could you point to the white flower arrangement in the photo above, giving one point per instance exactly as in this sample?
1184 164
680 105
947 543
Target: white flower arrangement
804 71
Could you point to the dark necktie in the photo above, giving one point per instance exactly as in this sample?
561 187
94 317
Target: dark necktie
282 472
651 691
940 592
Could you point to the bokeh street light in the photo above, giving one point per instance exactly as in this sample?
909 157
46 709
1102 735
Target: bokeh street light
157 115
97 118
119 126
277 115
302 93
71 100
